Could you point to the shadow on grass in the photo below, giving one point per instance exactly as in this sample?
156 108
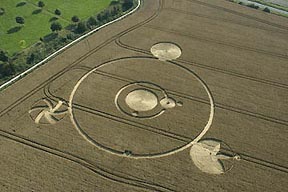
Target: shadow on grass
37 11
53 19
14 29
20 4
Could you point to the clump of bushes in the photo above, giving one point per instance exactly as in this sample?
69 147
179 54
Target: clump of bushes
20 4
266 10
57 12
75 19
41 4
55 27
127 4
20 20
253 6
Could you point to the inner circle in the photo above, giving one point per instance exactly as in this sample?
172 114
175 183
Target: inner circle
141 100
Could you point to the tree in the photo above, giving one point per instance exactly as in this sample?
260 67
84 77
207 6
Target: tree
56 26
6 69
30 59
57 12
266 10
3 56
115 11
75 19
2 11
22 3
127 4
41 4
103 16
91 21
81 27
99 17
253 6
20 20
114 2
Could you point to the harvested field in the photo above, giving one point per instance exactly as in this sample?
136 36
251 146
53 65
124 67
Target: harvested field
209 114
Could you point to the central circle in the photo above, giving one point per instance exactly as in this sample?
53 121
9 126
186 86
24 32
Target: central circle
141 100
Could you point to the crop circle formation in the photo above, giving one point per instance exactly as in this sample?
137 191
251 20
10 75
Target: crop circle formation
166 51
142 94
141 100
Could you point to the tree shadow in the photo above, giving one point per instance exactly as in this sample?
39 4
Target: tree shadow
20 4
14 29
53 19
37 11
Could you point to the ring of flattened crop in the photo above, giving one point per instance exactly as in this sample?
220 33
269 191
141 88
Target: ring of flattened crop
140 156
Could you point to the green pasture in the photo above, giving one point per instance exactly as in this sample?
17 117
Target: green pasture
15 37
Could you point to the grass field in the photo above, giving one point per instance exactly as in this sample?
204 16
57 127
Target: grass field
38 25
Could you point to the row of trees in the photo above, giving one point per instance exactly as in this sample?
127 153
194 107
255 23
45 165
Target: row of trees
82 26
266 9
114 10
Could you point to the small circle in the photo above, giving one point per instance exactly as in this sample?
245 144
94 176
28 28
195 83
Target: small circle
167 103
141 100
166 51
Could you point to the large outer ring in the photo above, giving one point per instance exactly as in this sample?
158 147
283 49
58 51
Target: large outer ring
140 156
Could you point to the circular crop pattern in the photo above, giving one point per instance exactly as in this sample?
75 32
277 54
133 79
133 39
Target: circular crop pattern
44 112
206 155
138 101
141 100
166 51
134 93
